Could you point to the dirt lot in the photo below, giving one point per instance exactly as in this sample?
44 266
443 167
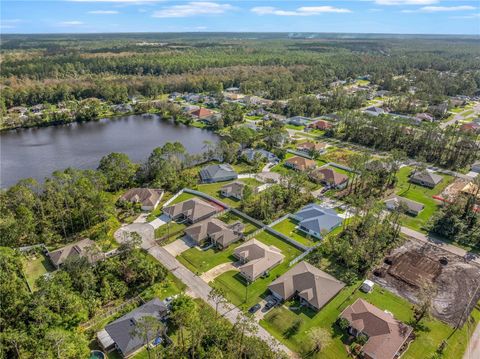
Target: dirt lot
456 281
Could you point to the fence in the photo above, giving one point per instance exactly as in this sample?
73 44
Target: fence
172 199
300 153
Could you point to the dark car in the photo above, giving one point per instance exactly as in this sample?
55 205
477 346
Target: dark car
269 305
255 308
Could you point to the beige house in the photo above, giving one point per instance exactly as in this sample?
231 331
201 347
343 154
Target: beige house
386 335
257 258
83 248
234 189
147 197
218 232
310 285
300 163
191 211
309 147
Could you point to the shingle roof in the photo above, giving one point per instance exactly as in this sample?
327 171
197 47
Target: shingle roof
318 218
234 188
301 163
329 175
122 329
145 196
309 146
217 171
310 283
427 177
411 205
77 249
202 112
259 257
218 231
386 335
192 209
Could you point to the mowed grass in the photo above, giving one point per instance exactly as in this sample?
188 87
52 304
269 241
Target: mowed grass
213 189
35 267
279 320
230 218
419 194
287 227
199 261
235 287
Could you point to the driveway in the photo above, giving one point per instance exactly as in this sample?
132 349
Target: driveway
145 230
218 270
473 349
160 221
179 246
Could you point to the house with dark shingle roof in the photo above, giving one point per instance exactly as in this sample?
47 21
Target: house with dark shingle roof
374 111
312 286
216 231
298 120
217 173
234 189
425 178
191 211
316 220
329 177
121 334
386 335
83 248
251 153
411 207
147 197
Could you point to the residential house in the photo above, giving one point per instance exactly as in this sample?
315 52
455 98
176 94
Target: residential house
84 248
122 108
202 113
320 125
309 147
147 197
251 153
470 127
425 178
386 335
300 163
329 177
190 108
215 231
121 334
191 211
217 173
312 286
298 120
234 97
439 111
424 117
234 189
257 258
374 111
411 207
316 220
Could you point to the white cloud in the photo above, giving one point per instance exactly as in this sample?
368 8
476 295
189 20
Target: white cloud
471 16
103 12
71 23
301 11
192 9
442 8
406 2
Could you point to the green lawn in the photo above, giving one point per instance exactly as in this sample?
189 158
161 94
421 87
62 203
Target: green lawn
199 261
419 194
169 228
230 217
279 320
183 197
287 227
170 286
235 286
35 267
340 170
295 127
213 189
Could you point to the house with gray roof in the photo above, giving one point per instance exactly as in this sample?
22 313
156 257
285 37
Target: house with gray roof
121 333
411 207
312 286
217 232
425 178
233 190
83 248
374 111
191 211
298 120
250 154
217 173
316 220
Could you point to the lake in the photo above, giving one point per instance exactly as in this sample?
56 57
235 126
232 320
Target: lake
37 152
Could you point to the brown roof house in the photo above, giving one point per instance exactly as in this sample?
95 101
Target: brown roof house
411 207
313 287
300 163
426 178
191 211
147 197
309 147
202 113
83 248
215 231
329 177
386 335
257 258
234 189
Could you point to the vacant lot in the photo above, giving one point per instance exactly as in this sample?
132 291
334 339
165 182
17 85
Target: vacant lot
419 194
287 227
456 281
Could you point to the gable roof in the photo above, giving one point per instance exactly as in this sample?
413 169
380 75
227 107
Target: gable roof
202 112
427 177
411 205
235 188
329 175
309 146
317 218
145 196
310 283
259 257
217 230
217 171
301 163
192 209
122 329
77 249
386 335
250 154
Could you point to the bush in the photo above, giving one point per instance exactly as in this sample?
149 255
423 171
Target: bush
343 323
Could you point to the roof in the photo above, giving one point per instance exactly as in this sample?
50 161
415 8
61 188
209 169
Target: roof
235 188
320 124
145 196
374 109
427 177
250 154
217 171
259 257
122 329
317 218
309 146
471 189
386 335
301 163
77 249
192 209
329 175
202 112
411 205
310 283
217 230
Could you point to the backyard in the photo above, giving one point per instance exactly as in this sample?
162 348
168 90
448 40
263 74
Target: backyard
419 194
288 227
36 265
279 323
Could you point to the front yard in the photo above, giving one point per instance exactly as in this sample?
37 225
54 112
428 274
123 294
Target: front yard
288 227
199 261
419 194
279 323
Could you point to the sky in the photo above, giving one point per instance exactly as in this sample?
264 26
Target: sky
359 16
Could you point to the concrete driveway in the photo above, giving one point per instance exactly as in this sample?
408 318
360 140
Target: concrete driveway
218 270
160 221
179 246
145 230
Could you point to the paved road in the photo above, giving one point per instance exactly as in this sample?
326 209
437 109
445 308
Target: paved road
460 117
473 349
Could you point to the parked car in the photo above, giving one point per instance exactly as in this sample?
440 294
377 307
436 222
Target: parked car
255 308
